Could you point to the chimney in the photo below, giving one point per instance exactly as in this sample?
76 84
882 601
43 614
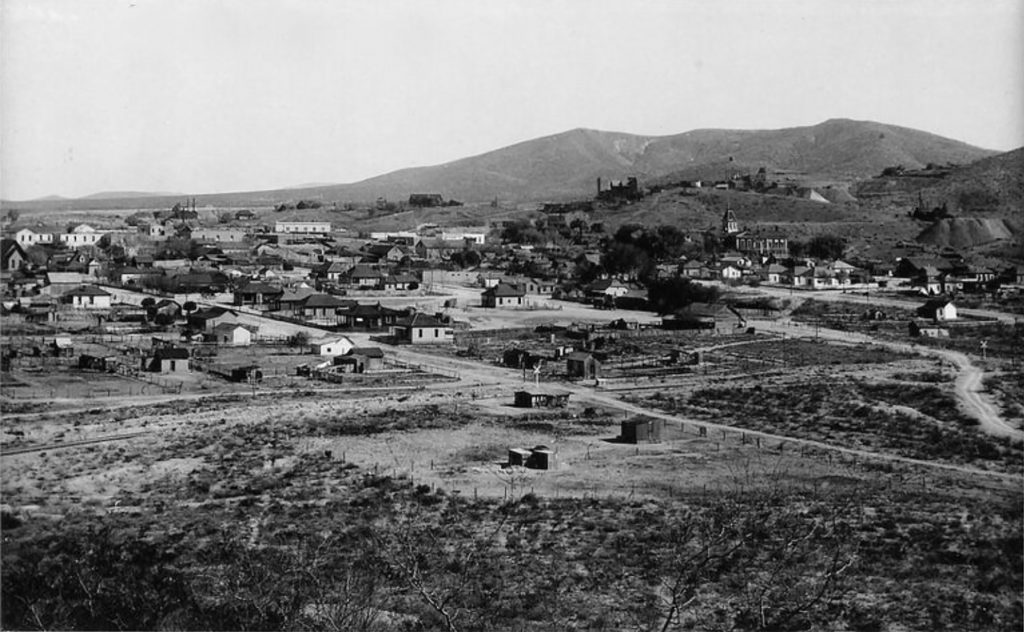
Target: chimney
599 186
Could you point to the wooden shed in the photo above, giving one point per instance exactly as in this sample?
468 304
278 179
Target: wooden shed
643 430
541 398
518 456
583 365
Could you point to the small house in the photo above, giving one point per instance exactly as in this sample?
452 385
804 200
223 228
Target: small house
642 430
168 360
583 365
372 358
334 346
938 310
503 295
541 398
232 335
423 329
88 297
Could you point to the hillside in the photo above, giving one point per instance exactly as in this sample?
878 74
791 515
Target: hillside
566 165
968 232
992 186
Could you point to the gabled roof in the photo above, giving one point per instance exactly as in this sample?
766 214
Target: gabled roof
505 289
171 353
213 312
323 300
229 326
88 290
256 287
369 352
360 271
578 355
420 321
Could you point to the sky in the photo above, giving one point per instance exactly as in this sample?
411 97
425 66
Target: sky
203 96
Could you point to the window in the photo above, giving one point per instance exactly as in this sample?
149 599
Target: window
436 335
421 332
174 365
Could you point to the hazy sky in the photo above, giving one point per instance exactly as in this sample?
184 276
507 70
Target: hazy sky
197 96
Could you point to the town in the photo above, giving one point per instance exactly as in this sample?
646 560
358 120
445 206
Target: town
494 317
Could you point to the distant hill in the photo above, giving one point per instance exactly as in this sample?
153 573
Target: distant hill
991 186
566 165
120 195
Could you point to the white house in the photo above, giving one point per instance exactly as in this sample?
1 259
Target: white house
81 235
730 271
28 237
302 227
333 346
940 309
88 297
232 334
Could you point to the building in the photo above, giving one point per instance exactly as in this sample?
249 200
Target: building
81 235
27 237
259 295
938 310
729 224
12 255
168 360
208 319
426 200
503 295
303 228
764 243
370 358
232 335
219 235
334 346
420 329
618 190
88 297
538 397
642 430
581 364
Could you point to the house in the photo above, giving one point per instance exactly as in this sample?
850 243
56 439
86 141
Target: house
208 319
12 255
643 430
694 269
704 316
321 307
421 329
581 364
765 243
386 252
81 235
291 300
426 200
731 272
244 215
27 237
168 360
305 228
232 335
366 277
607 287
219 234
400 282
938 310
539 397
333 346
372 358
729 224
503 295
775 273
88 297
259 295
372 317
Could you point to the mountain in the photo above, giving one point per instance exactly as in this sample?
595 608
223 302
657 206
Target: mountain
566 165
120 195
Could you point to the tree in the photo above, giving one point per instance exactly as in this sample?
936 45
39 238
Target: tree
189 307
148 302
826 247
